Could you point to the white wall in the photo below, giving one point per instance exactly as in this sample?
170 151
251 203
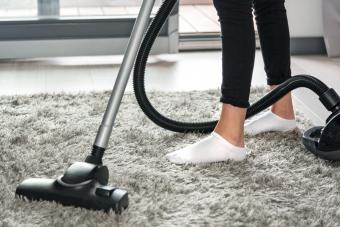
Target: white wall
305 18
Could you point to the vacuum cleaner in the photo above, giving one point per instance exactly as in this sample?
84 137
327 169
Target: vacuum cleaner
85 184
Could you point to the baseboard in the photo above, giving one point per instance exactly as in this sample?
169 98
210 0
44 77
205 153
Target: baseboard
212 41
79 47
203 41
307 45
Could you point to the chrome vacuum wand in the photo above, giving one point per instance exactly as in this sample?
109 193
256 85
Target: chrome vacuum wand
84 184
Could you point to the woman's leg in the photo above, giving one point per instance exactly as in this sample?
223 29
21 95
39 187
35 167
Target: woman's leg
273 31
231 124
272 24
238 53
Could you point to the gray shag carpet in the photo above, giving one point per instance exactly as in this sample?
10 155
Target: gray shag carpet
279 184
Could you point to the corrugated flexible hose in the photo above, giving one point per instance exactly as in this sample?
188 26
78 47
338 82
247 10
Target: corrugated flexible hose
201 127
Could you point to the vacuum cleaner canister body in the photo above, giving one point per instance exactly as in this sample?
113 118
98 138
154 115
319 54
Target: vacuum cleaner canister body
324 142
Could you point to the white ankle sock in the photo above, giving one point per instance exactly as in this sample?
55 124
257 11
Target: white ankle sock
268 121
213 148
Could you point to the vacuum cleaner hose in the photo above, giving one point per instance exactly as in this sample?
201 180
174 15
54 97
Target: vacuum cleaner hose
202 127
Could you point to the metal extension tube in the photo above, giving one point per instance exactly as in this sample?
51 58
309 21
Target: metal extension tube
135 40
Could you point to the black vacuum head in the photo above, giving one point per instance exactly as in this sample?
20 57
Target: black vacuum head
82 185
325 141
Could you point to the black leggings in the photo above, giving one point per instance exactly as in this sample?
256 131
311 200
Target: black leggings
238 45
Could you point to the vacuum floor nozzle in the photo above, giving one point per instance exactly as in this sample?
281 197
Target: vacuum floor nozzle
89 193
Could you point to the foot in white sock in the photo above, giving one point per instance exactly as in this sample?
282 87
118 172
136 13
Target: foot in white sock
268 122
213 148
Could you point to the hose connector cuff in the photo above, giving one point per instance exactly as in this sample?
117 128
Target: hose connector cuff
330 99
96 155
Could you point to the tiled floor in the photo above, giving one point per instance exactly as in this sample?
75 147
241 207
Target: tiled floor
198 19
178 72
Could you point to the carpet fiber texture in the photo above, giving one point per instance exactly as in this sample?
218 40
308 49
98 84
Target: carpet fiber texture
279 184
